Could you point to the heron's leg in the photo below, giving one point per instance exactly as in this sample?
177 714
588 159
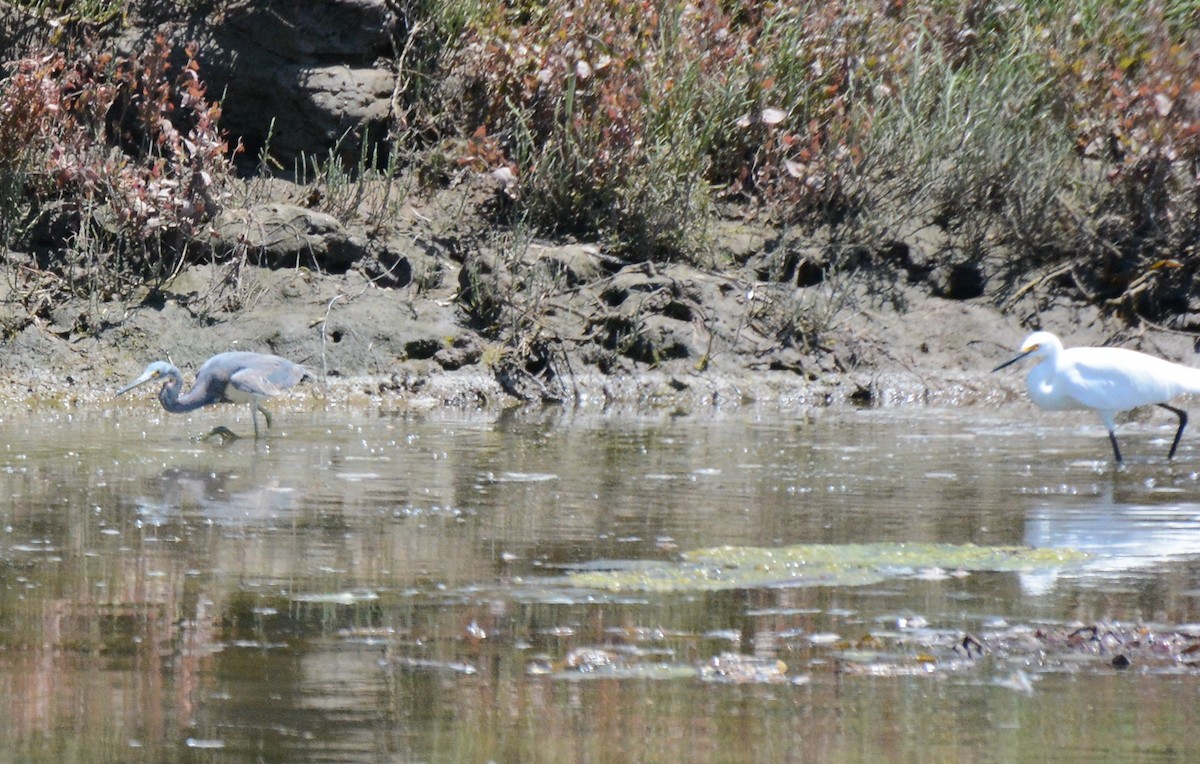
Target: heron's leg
255 407
266 414
1178 433
1112 436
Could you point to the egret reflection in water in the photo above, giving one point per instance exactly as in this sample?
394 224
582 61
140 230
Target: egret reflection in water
1121 537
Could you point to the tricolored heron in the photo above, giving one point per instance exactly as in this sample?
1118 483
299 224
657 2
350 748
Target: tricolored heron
237 377
1105 380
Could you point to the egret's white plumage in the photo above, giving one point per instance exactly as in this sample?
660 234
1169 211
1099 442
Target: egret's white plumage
1105 380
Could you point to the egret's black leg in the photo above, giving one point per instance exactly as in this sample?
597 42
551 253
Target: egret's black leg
1178 433
1112 436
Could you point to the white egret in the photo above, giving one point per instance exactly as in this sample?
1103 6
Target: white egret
1105 380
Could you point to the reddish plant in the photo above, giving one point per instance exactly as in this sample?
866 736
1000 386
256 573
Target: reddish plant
118 136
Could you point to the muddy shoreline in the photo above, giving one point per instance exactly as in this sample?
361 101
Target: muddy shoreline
444 306
375 346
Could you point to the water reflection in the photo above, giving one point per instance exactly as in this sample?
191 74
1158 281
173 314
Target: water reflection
1131 530
371 586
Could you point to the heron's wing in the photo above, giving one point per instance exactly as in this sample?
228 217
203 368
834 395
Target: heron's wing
266 375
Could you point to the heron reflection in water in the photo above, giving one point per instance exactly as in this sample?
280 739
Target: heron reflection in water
237 377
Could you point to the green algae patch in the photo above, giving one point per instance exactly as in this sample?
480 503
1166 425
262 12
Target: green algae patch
737 567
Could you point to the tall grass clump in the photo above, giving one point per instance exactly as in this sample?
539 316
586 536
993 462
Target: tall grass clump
630 119
581 100
1134 109
967 136
1063 139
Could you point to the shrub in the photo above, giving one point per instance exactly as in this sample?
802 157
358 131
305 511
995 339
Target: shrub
114 156
575 95
768 106
1051 131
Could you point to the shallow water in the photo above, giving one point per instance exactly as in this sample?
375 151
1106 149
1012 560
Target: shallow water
397 587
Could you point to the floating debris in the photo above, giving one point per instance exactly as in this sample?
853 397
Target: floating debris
736 668
336 598
591 659
418 664
521 477
206 745
733 567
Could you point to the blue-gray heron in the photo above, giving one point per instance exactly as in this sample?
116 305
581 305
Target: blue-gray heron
237 377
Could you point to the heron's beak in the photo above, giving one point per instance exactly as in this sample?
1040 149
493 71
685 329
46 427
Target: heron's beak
149 376
1016 358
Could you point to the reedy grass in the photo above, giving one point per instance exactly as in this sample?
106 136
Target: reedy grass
954 116
974 150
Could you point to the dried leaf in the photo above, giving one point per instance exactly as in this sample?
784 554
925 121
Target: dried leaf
1163 104
795 169
771 116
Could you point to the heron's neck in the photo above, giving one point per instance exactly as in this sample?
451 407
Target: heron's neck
173 402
